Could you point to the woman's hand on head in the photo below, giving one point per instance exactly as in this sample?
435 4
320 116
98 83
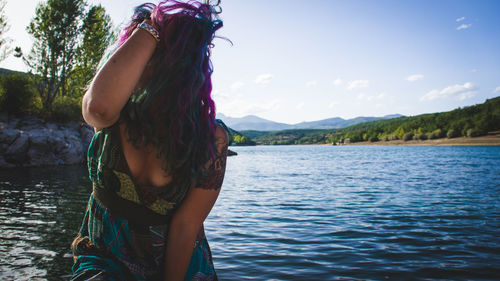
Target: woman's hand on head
115 81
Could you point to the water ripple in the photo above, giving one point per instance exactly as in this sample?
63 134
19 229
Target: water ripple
298 213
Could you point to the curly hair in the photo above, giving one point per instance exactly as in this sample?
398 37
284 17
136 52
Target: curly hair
175 111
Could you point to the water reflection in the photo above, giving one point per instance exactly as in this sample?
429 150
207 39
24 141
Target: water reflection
298 213
40 213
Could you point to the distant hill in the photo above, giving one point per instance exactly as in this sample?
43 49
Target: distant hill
469 121
252 122
255 123
337 122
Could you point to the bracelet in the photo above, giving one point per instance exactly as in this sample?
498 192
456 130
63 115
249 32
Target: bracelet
151 30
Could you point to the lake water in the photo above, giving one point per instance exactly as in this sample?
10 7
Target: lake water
298 213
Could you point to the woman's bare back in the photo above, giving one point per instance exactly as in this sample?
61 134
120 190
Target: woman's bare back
145 167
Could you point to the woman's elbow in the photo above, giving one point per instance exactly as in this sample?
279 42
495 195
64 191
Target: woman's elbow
96 113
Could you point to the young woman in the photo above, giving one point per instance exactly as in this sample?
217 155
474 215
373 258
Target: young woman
157 159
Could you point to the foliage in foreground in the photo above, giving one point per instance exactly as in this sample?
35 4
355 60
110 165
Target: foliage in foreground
5 49
68 42
471 121
18 96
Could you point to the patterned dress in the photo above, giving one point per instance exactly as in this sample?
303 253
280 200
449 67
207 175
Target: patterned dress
125 226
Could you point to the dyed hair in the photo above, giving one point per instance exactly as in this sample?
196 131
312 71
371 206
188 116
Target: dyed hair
175 111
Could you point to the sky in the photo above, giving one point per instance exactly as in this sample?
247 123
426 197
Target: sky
292 60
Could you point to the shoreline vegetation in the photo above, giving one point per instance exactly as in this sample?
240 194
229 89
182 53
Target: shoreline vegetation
471 125
30 141
492 139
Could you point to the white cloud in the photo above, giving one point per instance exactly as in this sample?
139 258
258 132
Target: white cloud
497 90
464 26
415 77
460 19
337 82
333 104
461 92
467 95
311 83
366 97
474 70
300 105
358 84
264 78
236 86
216 94
240 107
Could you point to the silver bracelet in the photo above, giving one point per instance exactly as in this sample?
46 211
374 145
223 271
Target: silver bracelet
151 30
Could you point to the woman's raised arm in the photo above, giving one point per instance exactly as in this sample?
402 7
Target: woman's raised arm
117 78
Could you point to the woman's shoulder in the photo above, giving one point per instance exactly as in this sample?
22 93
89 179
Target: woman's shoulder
223 132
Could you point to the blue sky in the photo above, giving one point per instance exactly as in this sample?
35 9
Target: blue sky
294 61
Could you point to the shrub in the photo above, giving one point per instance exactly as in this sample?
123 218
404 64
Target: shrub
17 95
420 137
436 134
373 139
452 133
243 140
407 136
66 109
473 133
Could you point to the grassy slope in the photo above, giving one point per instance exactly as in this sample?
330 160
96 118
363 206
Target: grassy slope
474 120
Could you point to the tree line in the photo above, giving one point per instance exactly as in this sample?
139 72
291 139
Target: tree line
470 121
69 37
240 139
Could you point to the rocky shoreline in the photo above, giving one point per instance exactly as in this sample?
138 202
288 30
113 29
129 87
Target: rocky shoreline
31 142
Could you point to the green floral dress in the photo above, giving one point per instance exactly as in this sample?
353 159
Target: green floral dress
125 226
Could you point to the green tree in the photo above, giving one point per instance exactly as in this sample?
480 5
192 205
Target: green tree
17 95
55 30
5 50
68 43
436 134
407 136
452 133
399 132
97 34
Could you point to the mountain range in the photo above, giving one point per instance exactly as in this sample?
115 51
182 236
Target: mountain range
252 122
